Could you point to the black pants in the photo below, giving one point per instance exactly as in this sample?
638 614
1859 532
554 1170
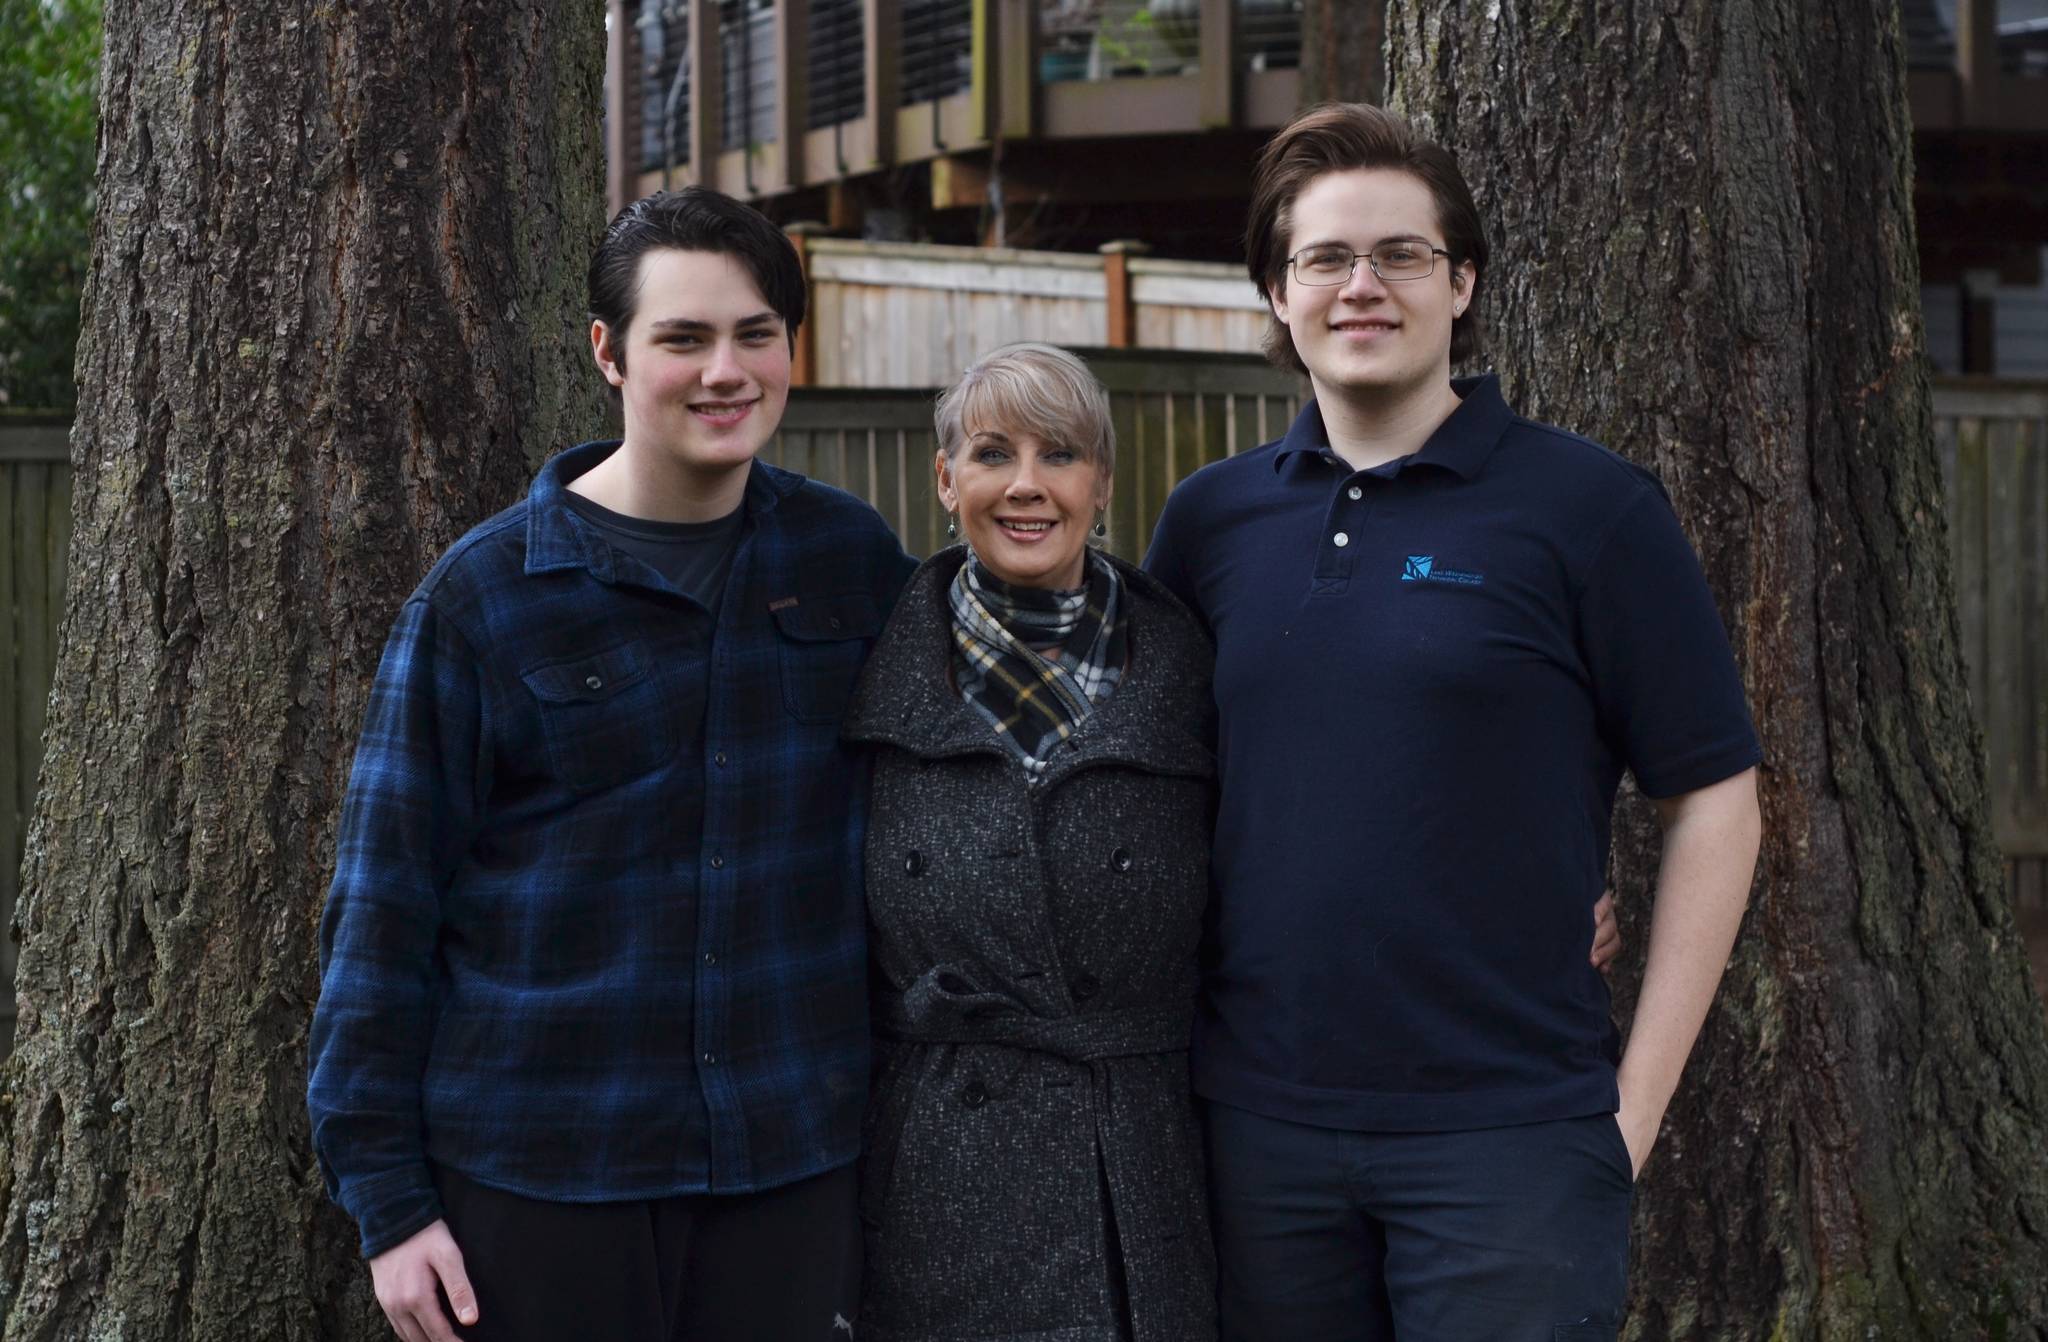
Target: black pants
1500 1235
779 1266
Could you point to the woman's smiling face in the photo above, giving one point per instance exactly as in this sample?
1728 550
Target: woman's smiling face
1025 505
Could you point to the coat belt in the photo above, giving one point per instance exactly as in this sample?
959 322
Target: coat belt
942 1007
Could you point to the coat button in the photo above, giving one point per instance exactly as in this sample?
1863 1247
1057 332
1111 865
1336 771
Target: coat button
1120 860
913 863
595 682
974 1095
834 623
1085 987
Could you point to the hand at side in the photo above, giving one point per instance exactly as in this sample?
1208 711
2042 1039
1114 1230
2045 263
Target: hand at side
410 1278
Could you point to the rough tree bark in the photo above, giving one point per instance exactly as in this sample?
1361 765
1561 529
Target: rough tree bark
1704 256
1343 57
333 319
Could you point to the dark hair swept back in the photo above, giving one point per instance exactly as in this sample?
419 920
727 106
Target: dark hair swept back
694 219
1336 137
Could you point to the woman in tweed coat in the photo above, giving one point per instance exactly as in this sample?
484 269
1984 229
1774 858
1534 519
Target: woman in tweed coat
1035 890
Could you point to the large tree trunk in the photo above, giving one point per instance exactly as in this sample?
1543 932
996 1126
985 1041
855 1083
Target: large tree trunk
1343 56
333 320
1704 256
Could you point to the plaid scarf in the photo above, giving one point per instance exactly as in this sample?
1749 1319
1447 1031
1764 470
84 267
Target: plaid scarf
1034 701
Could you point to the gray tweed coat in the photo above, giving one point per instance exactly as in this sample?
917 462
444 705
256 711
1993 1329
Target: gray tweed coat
1034 1169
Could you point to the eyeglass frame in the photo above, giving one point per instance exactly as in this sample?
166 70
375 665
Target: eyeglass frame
1371 262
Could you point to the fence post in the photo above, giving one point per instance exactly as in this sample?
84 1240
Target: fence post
1121 327
707 70
803 360
1977 60
792 86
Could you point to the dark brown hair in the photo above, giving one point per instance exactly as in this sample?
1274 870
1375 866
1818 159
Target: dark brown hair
694 219
1336 137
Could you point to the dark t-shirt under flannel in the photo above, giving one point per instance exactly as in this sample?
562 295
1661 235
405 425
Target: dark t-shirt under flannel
596 928
692 557
1430 677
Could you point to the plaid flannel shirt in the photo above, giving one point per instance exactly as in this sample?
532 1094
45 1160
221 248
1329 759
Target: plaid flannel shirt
596 929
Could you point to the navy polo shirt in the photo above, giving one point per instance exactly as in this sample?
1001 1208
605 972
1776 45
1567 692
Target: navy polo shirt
1430 677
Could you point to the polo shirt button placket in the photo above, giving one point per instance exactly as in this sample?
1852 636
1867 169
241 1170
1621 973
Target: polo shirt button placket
1343 522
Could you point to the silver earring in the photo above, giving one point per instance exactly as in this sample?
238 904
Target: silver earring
952 527
1101 529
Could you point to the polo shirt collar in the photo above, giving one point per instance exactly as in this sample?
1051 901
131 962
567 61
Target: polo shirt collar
1461 444
557 537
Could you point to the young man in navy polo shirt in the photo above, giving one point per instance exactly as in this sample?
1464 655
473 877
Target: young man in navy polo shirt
1443 632
592 1040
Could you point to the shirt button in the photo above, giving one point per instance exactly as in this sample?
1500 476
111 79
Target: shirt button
717 863
974 1095
595 682
711 1060
711 957
1120 860
834 622
719 759
1085 987
1354 493
1340 540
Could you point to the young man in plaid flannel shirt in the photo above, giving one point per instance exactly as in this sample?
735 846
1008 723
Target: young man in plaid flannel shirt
592 1040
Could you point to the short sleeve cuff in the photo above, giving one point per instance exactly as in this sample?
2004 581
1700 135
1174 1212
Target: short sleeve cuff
1698 769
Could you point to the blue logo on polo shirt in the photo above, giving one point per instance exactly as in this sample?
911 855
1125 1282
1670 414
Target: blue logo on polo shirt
1422 568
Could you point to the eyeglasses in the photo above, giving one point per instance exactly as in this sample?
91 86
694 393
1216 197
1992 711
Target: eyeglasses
1334 263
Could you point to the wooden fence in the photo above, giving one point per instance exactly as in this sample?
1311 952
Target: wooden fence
1174 412
35 511
1992 438
913 315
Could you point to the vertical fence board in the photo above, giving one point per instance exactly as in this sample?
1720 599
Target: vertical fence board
830 335
2002 552
38 628
18 754
2030 727
1134 423
1966 513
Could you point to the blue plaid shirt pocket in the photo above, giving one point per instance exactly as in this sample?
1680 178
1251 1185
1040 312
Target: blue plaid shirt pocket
823 641
602 717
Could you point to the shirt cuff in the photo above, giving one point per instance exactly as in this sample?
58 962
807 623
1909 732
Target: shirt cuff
391 1207
1701 769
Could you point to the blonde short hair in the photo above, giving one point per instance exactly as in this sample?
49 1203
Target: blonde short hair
1029 388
